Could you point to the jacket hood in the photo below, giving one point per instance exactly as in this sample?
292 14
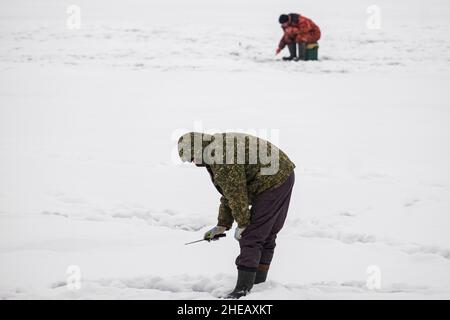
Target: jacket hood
191 147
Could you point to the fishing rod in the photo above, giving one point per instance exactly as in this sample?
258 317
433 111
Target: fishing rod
216 237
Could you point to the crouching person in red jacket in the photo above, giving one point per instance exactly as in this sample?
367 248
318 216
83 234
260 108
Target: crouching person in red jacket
299 30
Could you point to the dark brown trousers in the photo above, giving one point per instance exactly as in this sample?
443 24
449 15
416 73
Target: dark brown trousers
268 213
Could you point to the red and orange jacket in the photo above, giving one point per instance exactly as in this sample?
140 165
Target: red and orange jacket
299 29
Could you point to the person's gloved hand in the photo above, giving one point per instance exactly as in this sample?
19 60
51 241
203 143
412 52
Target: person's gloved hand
277 51
238 233
213 232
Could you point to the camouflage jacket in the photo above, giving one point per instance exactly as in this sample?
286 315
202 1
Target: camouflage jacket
246 167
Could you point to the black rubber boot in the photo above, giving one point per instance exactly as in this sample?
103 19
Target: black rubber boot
261 273
292 52
301 51
244 284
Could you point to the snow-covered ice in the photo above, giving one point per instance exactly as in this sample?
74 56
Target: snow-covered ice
87 125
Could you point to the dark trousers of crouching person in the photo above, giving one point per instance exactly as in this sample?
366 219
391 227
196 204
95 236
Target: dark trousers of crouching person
268 213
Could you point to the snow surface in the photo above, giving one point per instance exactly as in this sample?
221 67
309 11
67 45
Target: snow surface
89 118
